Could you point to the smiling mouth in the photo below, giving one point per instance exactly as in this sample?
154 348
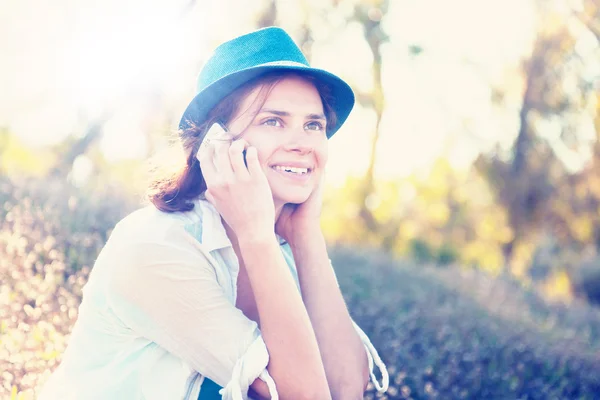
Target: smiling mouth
292 170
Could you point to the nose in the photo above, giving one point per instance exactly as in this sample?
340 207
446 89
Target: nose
300 141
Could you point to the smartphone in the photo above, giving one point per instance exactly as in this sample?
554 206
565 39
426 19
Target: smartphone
218 131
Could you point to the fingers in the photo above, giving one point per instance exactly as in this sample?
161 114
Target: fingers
236 156
253 164
223 160
210 197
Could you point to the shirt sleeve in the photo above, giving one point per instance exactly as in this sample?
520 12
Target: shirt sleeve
168 292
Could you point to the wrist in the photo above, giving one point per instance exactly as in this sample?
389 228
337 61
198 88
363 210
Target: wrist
307 238
255 237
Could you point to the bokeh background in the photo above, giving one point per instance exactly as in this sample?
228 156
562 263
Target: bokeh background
462 204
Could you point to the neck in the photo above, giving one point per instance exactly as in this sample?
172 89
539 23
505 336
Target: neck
278 208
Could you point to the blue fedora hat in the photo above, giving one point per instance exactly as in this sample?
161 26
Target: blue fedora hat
239 60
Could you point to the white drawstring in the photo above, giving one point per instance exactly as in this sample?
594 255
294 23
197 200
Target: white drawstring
372 355
265 377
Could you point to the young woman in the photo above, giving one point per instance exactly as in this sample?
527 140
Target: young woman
223 288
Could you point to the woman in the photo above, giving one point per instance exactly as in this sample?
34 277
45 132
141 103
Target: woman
223 287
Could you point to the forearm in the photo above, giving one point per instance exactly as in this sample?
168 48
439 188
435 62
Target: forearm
294 359
341 349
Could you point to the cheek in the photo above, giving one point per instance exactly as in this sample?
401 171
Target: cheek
265 151
322 154
262 146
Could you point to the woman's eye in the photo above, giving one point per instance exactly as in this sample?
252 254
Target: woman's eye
272 122
314 126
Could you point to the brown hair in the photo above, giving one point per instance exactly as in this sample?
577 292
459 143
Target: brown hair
173 190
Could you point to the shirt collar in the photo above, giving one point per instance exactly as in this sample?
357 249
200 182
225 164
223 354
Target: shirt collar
212 232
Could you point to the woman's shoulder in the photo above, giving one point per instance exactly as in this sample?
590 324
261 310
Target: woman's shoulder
149 224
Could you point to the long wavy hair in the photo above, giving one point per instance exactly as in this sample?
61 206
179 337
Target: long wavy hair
174 189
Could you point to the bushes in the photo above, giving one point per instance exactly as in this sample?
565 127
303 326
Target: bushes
424 253
586 281
444 333
50 235
451 333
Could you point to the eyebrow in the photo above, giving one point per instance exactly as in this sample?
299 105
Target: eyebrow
287 114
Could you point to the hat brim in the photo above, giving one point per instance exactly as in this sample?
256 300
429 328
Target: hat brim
198 109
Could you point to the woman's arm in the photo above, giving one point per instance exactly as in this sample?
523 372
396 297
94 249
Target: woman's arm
342 351
241 193
295 362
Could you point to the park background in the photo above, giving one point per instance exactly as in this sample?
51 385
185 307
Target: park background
462 205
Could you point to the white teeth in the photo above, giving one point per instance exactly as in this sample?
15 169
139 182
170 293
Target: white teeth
295 170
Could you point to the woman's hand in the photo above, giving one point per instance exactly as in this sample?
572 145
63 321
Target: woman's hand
298 219
240 194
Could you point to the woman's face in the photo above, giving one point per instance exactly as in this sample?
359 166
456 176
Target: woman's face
289 132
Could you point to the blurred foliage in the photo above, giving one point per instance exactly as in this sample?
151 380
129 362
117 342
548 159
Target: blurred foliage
443 333
533 183
50 235
17 158
513 208
442 217
586 281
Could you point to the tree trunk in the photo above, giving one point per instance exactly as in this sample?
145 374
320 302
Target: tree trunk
269 15
375 38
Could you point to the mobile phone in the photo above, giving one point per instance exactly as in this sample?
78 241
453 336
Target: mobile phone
218 131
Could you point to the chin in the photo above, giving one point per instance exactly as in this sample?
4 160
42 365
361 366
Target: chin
292 196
